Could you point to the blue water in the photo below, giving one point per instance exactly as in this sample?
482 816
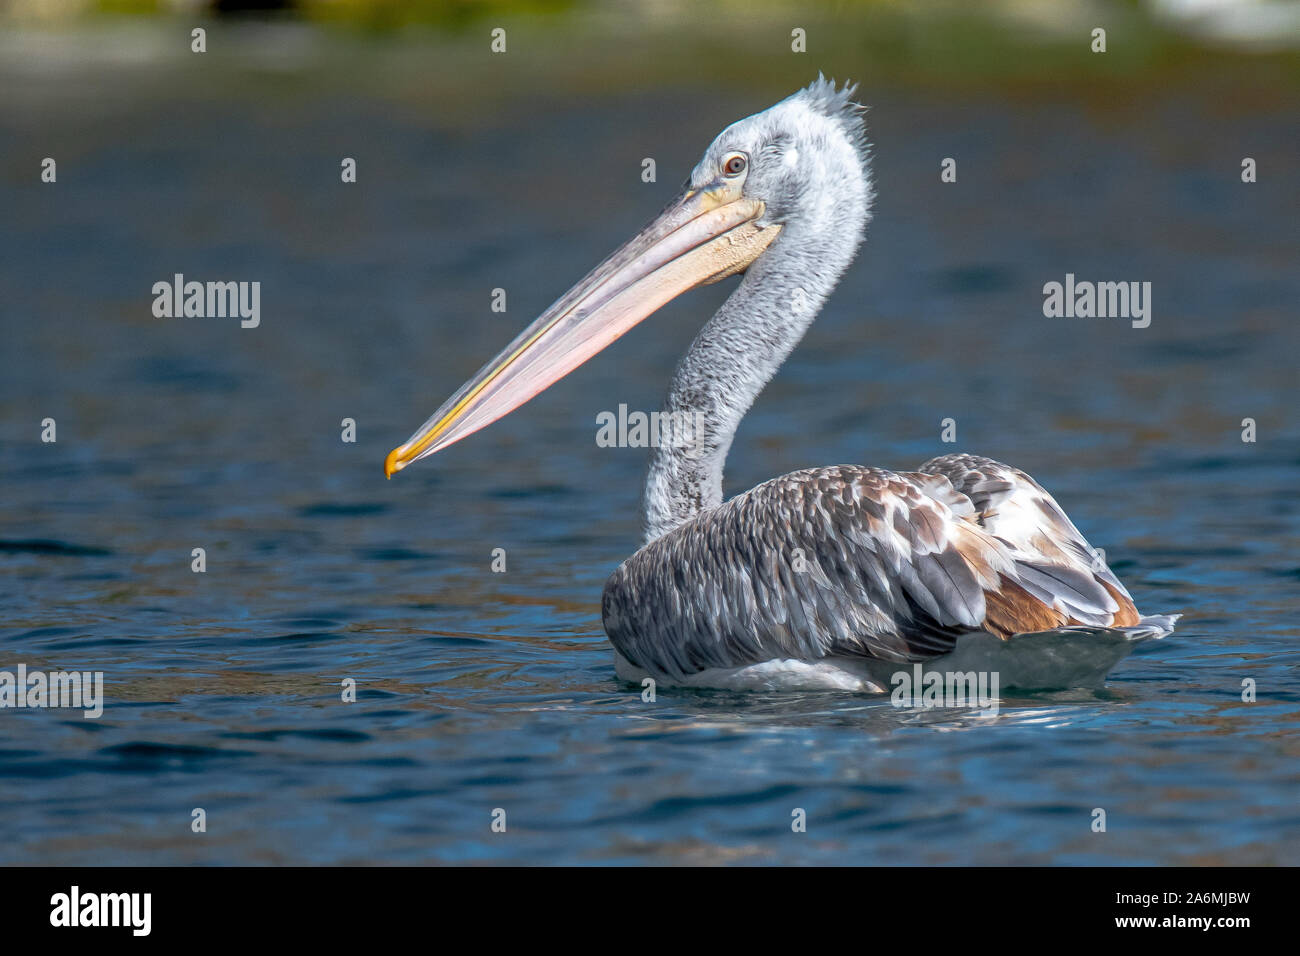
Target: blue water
482 690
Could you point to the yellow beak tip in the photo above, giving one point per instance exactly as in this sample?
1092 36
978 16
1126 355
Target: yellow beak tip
393 463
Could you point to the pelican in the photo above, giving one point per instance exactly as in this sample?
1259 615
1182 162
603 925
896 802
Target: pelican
824 578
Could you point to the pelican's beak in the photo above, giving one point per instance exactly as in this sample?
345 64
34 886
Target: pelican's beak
704 236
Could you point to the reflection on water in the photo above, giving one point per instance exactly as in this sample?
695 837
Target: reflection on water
479 690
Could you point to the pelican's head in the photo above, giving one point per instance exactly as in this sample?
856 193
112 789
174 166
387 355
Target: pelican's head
804 159
798 169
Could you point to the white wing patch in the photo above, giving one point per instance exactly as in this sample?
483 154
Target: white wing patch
1056 563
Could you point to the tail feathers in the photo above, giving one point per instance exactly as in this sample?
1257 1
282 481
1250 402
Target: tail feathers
1149 626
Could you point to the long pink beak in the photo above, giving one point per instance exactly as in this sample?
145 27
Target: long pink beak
700 238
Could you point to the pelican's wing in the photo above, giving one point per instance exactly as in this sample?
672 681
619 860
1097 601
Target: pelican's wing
838 561
1056 564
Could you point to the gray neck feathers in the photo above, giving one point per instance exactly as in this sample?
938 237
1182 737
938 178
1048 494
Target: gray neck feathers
733 357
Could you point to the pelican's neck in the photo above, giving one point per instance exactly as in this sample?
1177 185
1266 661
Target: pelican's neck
733 357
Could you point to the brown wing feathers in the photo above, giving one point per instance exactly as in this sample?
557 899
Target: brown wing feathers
1059 579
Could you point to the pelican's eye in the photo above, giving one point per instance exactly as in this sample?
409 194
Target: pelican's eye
735 164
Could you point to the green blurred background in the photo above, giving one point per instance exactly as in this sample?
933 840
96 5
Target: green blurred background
729 42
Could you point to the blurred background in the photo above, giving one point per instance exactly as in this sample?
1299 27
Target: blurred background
520 170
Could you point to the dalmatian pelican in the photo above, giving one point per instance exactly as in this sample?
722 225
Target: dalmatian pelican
829 577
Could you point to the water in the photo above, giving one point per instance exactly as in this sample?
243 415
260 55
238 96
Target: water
480 690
